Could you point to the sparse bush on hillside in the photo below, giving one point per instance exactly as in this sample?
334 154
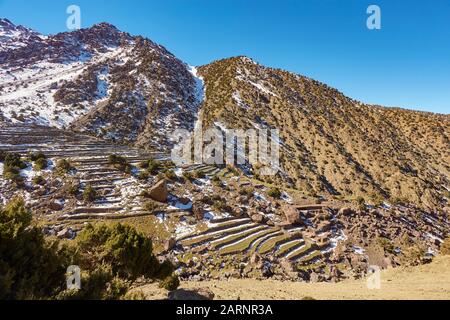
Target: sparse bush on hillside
40 164
386 244
14 160
274 193
39 180
73 188
171 283
129 253
150 206
143 175
63 166
199 174
187 175
247 191
89 194
445 247
36 156
361 203
120 163
154 166
12 166
170 175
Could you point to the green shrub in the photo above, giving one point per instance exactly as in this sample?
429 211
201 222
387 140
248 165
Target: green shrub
199 174
135 296
143 175
361 203
120 163
165 270
14 160
150 206
36 156
386 244
30 267
247 191
171 283
109 258
170 175
187 175
2 155
129 253
274 193
39 180
73 188
154 166
40 164
63 166
97 284
89 194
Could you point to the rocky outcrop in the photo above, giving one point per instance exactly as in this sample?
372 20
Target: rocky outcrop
193 294
159 192
292 215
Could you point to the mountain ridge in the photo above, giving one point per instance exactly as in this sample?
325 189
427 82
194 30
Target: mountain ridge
105 82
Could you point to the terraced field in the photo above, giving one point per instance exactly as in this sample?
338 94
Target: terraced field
89 156
242 236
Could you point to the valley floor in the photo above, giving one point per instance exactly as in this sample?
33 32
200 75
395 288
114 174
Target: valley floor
427 282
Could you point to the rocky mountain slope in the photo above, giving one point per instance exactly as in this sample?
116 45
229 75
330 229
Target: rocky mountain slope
98 80
128 89
332 144
14 37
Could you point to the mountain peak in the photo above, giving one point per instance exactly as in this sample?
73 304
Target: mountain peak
5 23
15 36
105 26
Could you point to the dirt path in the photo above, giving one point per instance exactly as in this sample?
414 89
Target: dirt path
424 282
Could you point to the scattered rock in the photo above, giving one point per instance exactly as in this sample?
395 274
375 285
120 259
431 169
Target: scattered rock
255 259
55 206
66 233
159 192
198 210
258 218
194 294
170 244
346 211
292 215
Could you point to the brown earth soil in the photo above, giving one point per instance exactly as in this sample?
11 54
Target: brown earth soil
427 282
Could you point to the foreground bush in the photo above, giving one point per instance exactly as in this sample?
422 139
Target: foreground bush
171 283
110 258
128 252
30 267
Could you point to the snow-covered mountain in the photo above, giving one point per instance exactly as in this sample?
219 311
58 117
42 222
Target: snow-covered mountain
99 80
13 37
127 88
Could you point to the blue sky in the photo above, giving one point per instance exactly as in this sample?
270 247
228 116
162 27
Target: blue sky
405 64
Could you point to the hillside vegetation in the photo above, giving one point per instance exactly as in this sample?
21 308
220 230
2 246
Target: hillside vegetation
331 143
